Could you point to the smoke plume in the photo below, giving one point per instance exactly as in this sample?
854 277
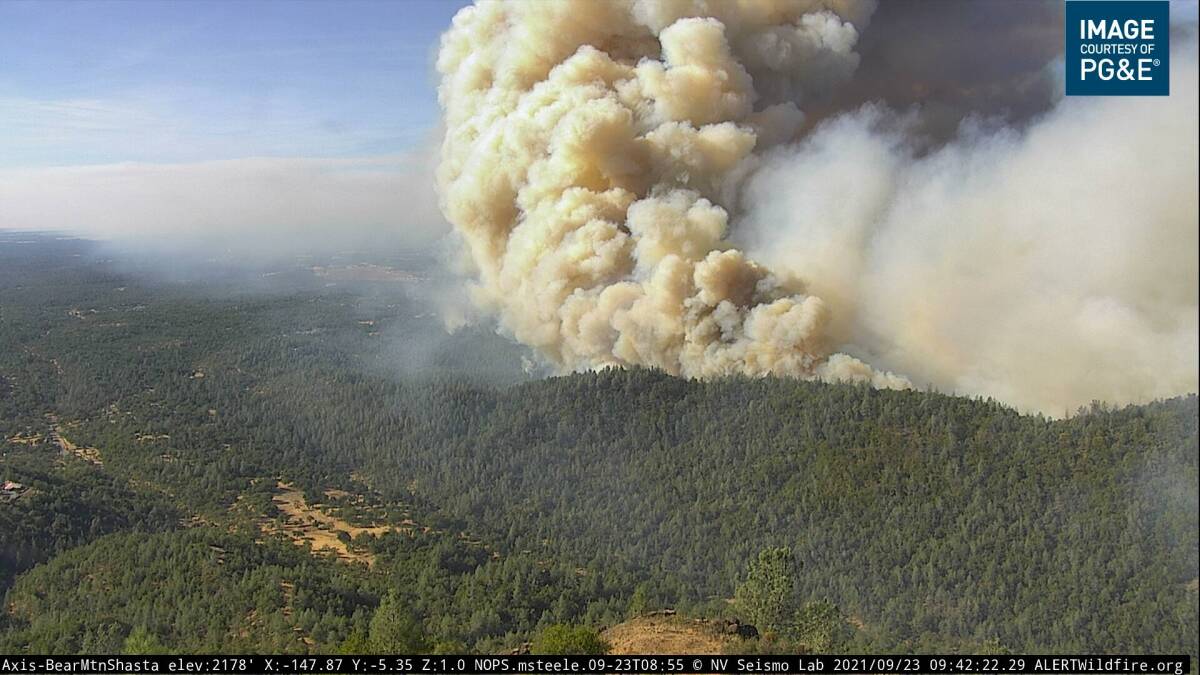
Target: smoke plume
636 183
253 209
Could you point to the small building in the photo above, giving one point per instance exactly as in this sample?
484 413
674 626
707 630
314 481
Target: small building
10 490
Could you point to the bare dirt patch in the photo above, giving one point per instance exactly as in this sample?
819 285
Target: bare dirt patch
25 439
85 453
667 633
308 523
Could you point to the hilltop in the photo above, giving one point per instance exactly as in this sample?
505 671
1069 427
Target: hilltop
666 632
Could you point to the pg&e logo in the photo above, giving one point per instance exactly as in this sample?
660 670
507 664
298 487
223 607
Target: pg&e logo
1118 48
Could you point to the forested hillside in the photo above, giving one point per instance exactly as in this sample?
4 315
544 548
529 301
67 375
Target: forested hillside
507 505
924 514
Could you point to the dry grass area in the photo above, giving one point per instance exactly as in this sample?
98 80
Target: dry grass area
87 454
23 439
663 633
308 523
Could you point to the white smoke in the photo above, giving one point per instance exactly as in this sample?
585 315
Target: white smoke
602 159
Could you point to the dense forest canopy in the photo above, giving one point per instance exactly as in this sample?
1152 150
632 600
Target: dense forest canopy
170 438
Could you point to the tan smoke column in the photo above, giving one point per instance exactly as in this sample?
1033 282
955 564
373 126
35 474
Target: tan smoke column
589 146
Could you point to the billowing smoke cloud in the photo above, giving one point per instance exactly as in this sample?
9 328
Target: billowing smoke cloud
586 147
635 183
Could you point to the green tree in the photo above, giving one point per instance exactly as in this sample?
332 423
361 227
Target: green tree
992 646
768 596
564 639
355 643
640 602
821 626
141 641
394 628
450 647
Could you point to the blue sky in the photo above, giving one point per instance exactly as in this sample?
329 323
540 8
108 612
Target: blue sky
85 83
